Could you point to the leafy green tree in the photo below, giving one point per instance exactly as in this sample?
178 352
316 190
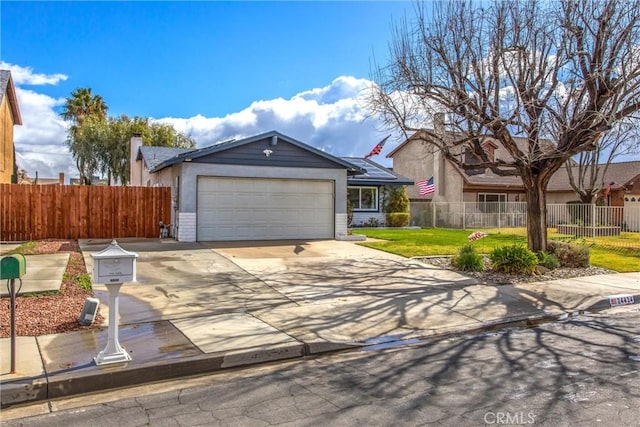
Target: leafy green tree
82 142
100 144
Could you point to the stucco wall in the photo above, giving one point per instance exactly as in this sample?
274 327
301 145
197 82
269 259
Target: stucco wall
419 161
561 197
361 218
188 188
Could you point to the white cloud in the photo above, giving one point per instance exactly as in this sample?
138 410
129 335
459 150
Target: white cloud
26 76
330 118
40 141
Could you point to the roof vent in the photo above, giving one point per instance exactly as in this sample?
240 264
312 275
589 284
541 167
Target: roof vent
274 141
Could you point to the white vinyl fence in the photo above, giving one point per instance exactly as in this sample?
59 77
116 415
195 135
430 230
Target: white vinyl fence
606 225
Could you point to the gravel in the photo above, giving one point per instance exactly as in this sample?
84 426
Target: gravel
491 277
50 313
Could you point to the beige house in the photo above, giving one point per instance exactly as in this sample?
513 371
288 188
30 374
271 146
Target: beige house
418 159
9 117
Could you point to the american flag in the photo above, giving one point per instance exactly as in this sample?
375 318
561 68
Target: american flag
607 189
426 187
378 148
477 235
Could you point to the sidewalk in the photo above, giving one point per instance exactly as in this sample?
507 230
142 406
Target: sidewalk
200 308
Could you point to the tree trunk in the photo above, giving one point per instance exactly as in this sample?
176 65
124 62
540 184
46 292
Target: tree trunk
537 218
586 198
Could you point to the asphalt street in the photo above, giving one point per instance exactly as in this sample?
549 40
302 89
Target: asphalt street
584 371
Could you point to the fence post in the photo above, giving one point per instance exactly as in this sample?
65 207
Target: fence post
464 216
433 217
499 213
593 222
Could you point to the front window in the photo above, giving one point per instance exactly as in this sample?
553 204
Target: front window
363 198
492 202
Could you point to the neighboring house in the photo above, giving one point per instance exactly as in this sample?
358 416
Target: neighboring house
265 187
42 181
418 159
94 180
366 191
9 117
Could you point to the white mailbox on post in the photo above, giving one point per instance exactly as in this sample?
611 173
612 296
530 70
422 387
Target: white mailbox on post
114 265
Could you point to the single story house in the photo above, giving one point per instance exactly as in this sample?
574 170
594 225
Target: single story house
265 187
366 191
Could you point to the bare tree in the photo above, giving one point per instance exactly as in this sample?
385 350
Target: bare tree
556 74
587 173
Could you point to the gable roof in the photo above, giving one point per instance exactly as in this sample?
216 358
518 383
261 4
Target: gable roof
6 87
621 174
228 145
521 142
374 174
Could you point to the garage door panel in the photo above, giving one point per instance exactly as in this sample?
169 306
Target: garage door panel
247 209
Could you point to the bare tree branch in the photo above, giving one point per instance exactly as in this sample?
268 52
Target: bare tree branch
545 81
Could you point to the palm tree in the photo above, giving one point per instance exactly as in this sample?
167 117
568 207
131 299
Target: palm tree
83 103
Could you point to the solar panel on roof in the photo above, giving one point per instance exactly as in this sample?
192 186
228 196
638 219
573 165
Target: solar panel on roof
372 170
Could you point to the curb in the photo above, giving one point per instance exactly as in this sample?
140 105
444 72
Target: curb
612 301
64 384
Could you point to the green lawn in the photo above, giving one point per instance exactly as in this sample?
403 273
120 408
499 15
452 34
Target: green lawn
440 241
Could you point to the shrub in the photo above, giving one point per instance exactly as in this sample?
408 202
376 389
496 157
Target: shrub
397 219
372 222
84 281
395 199
568 255
548 260
468 260
515 259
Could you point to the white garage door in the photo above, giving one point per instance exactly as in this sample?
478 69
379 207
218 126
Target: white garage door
264 209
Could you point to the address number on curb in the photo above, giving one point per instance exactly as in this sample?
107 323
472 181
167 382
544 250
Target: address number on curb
621 300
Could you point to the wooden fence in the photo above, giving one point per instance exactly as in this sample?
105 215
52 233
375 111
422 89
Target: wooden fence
33 212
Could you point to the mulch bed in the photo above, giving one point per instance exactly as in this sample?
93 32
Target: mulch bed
50 314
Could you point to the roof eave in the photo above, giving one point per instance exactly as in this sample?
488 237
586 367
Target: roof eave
13 102
216 148
376 182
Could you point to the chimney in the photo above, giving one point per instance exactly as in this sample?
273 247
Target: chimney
61 178
438 122
135 175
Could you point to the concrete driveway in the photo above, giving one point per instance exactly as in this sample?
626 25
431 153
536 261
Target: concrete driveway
340 291
317 292
179 280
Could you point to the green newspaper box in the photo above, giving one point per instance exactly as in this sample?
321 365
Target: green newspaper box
13 267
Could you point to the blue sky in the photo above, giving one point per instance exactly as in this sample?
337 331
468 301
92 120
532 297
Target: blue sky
213 69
